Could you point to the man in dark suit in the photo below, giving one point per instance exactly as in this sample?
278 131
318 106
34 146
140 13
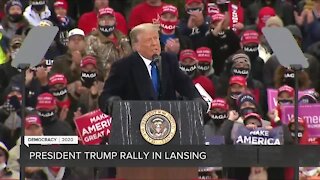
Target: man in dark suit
147 74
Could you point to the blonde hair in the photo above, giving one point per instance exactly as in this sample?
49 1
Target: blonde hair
274 20
134 33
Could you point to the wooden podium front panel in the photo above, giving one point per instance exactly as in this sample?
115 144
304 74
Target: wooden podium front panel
157 173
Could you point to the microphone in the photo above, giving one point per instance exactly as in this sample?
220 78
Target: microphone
157 58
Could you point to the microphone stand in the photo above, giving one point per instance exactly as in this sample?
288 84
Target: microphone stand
23 68
296 68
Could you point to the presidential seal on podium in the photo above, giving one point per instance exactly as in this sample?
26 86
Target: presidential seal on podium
158 127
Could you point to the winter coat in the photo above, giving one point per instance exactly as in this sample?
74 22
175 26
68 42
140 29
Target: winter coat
211 129
10 29
4 49
106 50
222 48
74 105
269 70
5 136
54 51
62 64
6 73
33 89
14 156
196 34
34 18
90 102
62 35
57 128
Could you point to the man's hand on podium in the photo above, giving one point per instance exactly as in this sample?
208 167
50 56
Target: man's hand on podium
109 104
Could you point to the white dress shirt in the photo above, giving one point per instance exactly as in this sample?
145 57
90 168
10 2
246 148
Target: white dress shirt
147 62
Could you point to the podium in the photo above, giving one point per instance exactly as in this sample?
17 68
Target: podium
125 130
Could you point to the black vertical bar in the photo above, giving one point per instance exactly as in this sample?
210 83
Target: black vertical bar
22 173
296 113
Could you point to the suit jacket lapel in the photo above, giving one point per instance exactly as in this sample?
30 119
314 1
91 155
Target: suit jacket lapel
142 79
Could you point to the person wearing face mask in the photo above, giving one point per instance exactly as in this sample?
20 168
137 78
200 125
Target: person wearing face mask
218 114
239 65
249 44
88 21
195 24
246 104
285 97
48 112
222 41
303 134
36 11
5 172
12 107
204 56
10 115
14 23
68 107
303 138
87 90
188 63
250 120
237 86
107 43
285 76
170 37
